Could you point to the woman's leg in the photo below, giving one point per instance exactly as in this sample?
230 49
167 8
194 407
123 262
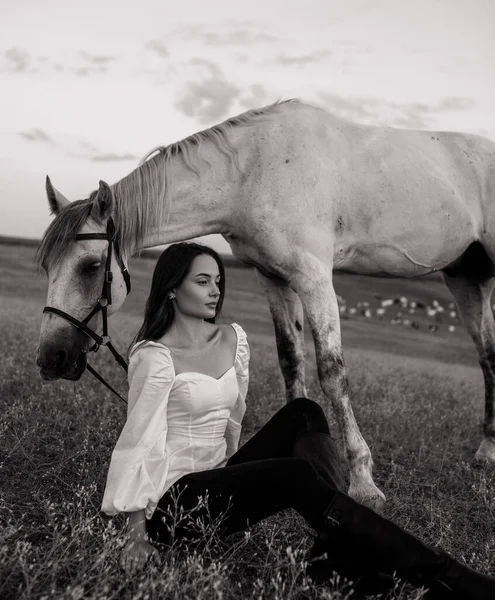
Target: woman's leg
241 496
366 539
300 430
359 539
277 437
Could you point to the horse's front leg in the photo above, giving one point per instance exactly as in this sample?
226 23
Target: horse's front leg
318 297
287 314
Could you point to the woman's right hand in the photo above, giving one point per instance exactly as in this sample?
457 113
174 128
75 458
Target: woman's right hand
136 554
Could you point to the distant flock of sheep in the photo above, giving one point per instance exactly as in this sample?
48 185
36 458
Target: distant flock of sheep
400 311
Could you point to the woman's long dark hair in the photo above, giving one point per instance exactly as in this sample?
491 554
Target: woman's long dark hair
171 269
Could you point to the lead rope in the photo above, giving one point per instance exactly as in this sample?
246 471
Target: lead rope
105 341
95 373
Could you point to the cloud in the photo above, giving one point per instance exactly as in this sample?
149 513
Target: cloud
211 68
82 143
17 60
113 157
81 71
157 47
377 111
454 103
354 109
421 115
256 97
235 38
409 117
304 59
71 145
36 135
93 64
238 35
241 57
97 59
207 96
208 100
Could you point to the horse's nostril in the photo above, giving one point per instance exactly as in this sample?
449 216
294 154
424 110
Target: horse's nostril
60 358
52 360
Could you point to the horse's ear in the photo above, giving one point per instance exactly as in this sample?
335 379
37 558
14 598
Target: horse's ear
102 204
56 200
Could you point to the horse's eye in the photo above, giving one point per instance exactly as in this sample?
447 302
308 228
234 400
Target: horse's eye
91 267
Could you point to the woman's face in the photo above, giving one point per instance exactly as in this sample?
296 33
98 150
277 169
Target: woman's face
198 295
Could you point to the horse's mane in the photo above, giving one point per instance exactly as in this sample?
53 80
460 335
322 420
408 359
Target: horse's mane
141 199
215 134
62 232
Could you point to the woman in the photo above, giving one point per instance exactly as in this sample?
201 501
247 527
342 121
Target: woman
188 380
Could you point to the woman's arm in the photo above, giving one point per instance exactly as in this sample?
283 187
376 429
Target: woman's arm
138 551
134 483
233 430
139 464
136 525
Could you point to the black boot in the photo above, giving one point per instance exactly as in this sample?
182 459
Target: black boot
324 559
373 544
321 451
459 582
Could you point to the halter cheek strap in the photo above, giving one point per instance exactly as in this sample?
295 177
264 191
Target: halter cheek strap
103 301
112 243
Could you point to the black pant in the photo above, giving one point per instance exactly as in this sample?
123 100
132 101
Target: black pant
292 462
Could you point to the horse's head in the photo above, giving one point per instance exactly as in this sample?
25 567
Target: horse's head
77 268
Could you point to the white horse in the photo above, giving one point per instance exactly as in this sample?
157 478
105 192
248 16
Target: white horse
297 193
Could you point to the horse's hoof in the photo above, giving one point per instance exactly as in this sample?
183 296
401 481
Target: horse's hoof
486 451
370 497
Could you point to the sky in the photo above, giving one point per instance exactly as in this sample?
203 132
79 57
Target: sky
88 88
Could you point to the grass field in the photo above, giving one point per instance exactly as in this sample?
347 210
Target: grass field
417 397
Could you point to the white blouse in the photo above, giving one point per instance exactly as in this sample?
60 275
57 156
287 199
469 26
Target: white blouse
176 424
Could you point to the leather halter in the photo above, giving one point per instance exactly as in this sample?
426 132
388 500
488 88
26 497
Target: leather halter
103 301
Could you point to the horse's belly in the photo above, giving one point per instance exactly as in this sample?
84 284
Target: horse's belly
395 258
404 235
408 245
383 260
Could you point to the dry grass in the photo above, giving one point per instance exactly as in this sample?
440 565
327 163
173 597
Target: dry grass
419 406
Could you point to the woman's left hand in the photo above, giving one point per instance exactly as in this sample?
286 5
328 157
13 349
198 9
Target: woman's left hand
136 555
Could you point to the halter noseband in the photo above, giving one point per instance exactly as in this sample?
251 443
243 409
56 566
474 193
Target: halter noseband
103 301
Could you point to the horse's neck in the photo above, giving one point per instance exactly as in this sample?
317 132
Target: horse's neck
198 203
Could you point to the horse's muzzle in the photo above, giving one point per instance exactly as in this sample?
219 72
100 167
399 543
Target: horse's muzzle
60 367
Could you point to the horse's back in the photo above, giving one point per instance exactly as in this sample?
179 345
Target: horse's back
380 199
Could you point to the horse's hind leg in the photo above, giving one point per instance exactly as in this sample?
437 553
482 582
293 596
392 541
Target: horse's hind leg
471 282
287 315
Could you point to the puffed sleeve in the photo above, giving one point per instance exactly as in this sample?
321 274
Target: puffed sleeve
233 430
139 464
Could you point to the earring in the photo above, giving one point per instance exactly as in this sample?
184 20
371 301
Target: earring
171 295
